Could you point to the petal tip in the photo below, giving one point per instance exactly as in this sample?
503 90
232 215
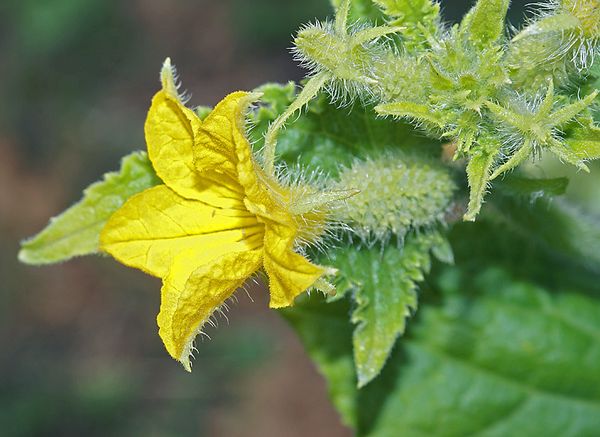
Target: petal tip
186 363
168 79
255 95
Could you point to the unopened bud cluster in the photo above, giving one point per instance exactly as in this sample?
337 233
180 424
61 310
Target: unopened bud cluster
464 84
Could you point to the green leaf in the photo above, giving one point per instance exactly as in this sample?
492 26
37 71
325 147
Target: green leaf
202 111
583 138
590 83
385 284
325 137
485 22
326 334
421 113
478 175
550 24
76 231
409 11
490 356
556 226
420 19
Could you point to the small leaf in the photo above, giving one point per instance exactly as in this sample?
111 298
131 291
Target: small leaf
442 251
409 10
275 98
566 154
439 79
385 296
485 22
551 24
515 160
76 231
202 111
478 174
417 111
567 113
583 138
418 17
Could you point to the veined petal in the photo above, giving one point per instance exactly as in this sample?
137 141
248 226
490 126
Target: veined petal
199 283
264 196
154 226
222 132
170 131
221 141
289 273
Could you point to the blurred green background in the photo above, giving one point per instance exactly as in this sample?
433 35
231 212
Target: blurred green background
79 350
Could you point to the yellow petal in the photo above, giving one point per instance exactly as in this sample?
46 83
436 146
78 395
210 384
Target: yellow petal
289 273
154 226
221 132
170 131
199 283
222 141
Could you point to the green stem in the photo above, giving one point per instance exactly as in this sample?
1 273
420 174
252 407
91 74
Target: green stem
310 90
341 17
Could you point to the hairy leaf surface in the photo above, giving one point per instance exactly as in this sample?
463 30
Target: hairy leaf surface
385 294
418 17
489 356
583 137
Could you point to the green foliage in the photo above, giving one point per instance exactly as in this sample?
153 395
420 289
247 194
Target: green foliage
484 24
326 334
76 231
491 355
418 18
561 42
583 138
383 284
325 138
460 85
537 126
556 226
478 172
468 84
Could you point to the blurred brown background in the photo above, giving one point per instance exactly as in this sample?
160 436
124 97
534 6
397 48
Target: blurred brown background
79 350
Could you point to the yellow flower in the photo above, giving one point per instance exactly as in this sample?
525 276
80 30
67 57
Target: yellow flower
217 220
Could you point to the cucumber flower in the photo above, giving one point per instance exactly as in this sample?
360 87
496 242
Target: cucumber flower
217 221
